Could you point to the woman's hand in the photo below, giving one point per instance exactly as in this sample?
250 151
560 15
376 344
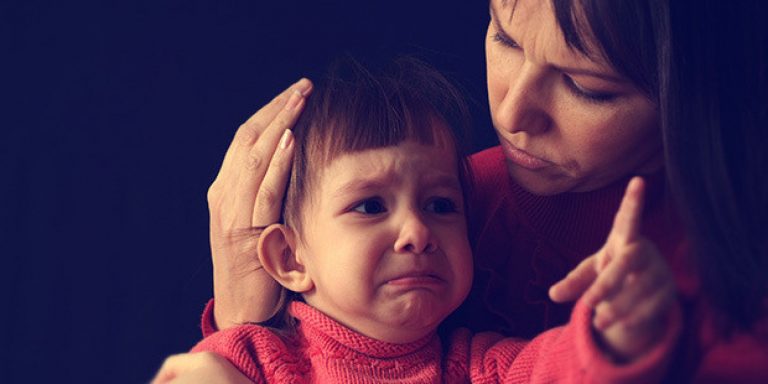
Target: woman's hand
200 367
627 282
245 197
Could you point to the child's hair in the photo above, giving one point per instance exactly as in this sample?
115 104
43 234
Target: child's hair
354 109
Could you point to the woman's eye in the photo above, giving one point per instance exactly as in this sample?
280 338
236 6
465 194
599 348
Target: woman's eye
370 207
581 92
505 40
441 206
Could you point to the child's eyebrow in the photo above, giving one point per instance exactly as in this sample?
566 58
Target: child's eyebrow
442 180
359 185
438 180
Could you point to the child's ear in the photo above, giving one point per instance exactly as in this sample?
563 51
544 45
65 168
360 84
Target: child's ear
277 245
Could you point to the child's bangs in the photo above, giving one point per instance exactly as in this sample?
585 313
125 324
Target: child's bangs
363 112
354 109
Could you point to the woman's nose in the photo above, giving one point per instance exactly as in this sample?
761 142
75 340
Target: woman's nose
415 236
524 106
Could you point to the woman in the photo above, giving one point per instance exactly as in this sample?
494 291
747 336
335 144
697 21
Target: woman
583 95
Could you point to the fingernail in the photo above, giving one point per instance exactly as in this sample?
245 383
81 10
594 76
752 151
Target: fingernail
286 139
303 86
293 101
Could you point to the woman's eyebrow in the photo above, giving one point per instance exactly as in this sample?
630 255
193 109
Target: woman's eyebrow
494 14
504 4
499 28
562 68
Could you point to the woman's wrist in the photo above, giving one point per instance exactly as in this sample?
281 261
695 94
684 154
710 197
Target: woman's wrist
244 298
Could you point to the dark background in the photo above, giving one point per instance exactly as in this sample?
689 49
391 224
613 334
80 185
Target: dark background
115 119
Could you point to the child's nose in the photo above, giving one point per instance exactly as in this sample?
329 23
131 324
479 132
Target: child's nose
415 236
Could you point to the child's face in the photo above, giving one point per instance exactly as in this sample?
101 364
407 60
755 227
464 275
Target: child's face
384 240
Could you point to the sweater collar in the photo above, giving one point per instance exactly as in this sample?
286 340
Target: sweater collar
579 222
327 334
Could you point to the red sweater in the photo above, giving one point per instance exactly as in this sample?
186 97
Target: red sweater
324 351
523 243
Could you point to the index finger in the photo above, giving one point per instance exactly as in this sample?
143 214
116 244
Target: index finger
626 224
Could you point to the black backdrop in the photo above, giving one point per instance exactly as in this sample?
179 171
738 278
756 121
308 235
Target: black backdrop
115 118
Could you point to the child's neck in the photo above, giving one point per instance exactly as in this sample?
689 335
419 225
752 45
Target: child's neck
400 334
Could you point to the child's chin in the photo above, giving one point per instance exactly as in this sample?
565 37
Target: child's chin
419 313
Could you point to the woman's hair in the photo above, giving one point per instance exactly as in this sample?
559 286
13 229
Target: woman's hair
704 64
355 108
714 113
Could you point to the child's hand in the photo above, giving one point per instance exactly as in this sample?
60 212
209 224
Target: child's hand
627 282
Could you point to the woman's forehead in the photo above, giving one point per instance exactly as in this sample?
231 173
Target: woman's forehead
533 25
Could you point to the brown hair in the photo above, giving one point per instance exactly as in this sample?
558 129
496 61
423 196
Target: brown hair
354 108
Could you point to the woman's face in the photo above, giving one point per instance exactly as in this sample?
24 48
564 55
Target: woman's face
566 122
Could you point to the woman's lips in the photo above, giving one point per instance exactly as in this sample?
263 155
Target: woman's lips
523 158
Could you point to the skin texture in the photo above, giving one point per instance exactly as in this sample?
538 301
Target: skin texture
383 246
567 123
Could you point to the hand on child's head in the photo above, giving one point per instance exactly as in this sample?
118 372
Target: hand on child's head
627 282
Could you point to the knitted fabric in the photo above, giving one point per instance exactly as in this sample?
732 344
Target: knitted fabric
324 351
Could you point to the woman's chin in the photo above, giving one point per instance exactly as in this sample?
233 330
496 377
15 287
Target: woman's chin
540 183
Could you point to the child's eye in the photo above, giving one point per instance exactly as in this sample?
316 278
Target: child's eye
441 205
370 207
